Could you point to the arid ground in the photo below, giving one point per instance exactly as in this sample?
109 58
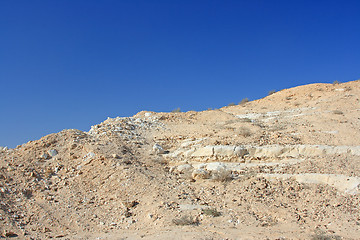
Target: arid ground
283 167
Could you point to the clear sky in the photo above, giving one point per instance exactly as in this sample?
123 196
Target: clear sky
72 63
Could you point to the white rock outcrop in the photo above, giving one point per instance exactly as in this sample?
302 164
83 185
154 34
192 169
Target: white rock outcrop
269 151
350 185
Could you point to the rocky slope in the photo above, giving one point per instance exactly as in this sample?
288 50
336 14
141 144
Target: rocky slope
283 167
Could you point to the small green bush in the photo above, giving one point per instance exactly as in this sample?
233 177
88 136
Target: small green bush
176 110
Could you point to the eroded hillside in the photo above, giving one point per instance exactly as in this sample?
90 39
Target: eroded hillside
283 167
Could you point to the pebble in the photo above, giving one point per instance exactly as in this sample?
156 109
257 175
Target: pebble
9 169
89 156
158 149
3 149
44 156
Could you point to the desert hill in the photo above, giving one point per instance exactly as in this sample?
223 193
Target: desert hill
283 167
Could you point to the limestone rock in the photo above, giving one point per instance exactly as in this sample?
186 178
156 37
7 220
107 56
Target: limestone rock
200 174
184 168
215 167
89 156
222 150
343 183
52 152
240 151
158 149
203 152
45 156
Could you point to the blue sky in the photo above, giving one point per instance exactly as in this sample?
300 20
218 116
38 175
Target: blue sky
71 63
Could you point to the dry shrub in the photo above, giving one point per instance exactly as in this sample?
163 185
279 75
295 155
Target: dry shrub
245 120
185 220
244 131
321 235
211 212
338 112
271 92
243 101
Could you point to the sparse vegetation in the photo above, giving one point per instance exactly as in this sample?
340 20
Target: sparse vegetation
321 235
244 131
185 220
336 82
245 120
176 110
243 101
338 112
211 212
231 104
271 92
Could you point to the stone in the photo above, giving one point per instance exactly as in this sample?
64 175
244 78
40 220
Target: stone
215 167
200 174
158 149
88 156
240 151
207 151
9 234
148 114
45 156
184 168
52 152
221 150
268 151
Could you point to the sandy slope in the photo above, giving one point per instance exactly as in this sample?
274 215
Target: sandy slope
109 183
